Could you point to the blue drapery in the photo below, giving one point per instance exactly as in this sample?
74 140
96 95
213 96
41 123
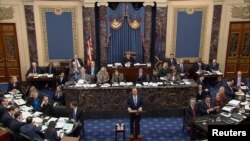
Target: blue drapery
125 38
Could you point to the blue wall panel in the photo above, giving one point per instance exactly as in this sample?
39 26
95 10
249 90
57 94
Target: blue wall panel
188 34
59 35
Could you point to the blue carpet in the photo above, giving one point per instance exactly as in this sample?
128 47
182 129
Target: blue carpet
152 129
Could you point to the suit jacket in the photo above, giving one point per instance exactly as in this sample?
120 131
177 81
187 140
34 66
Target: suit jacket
52 135
15 126
51 71
214 67
17 86
229 92
80 62
132 105
87 77
174 62
59 99
79 115
141 79
88 71
201 96
117 79
103 79
2 110
38 70
189 115
60 81
131 60
47 109
31 131
178 67
242 79
203 108
6 119
196 66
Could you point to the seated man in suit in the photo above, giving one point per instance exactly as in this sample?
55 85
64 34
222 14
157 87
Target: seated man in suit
230 94
134 107
214 66
31 129
239 81
190 112
4 103
128 60
61 79
141 77
58 97
16 123
181 68
172 61
83 76
77 61
206 107
14 85
76 114
51 69
51 132
73 72
102 76
201 94
34 69
8 116
199 66
201 81
117 77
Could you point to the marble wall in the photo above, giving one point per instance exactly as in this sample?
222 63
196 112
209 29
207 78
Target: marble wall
31 32
89 29
102 35
147 33
215 32
161 32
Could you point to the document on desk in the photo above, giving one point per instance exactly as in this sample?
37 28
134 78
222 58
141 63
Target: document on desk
68 127
60 124
52 119
234 102
19 102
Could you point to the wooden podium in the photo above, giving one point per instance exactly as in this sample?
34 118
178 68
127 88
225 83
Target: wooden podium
136 125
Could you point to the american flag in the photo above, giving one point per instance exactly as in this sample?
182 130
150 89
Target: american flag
89 51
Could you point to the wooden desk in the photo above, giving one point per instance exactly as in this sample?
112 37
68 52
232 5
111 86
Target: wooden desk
130 73
66 138
5 135
41 81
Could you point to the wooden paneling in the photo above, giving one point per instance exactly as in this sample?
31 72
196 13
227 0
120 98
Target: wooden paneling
238 49
9 55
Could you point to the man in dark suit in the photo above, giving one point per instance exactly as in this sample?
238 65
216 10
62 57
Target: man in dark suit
14 85
141 77
172 61
34 69
31 130
199 66
3 106
190 112
181 68
206 107
73 72
239 81
8 116
61 79
200 80
201 94
78 61
214 66
134 106
229 89
76 114
83 76
128 59
16 123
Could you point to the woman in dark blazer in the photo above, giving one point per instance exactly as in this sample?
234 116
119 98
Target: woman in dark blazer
35 101
51 132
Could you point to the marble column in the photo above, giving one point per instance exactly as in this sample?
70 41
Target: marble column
31 32
102 34
147 33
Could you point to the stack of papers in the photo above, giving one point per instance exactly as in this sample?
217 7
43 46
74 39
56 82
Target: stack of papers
68 127
243 87
36 114
25 115
61 121
26 108
218 72
110 65
234 102
37 120
228 109
19 102
239 93
50 75
52 119
105 85
129 83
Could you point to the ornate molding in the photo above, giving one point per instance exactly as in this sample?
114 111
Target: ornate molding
242 12
6 13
